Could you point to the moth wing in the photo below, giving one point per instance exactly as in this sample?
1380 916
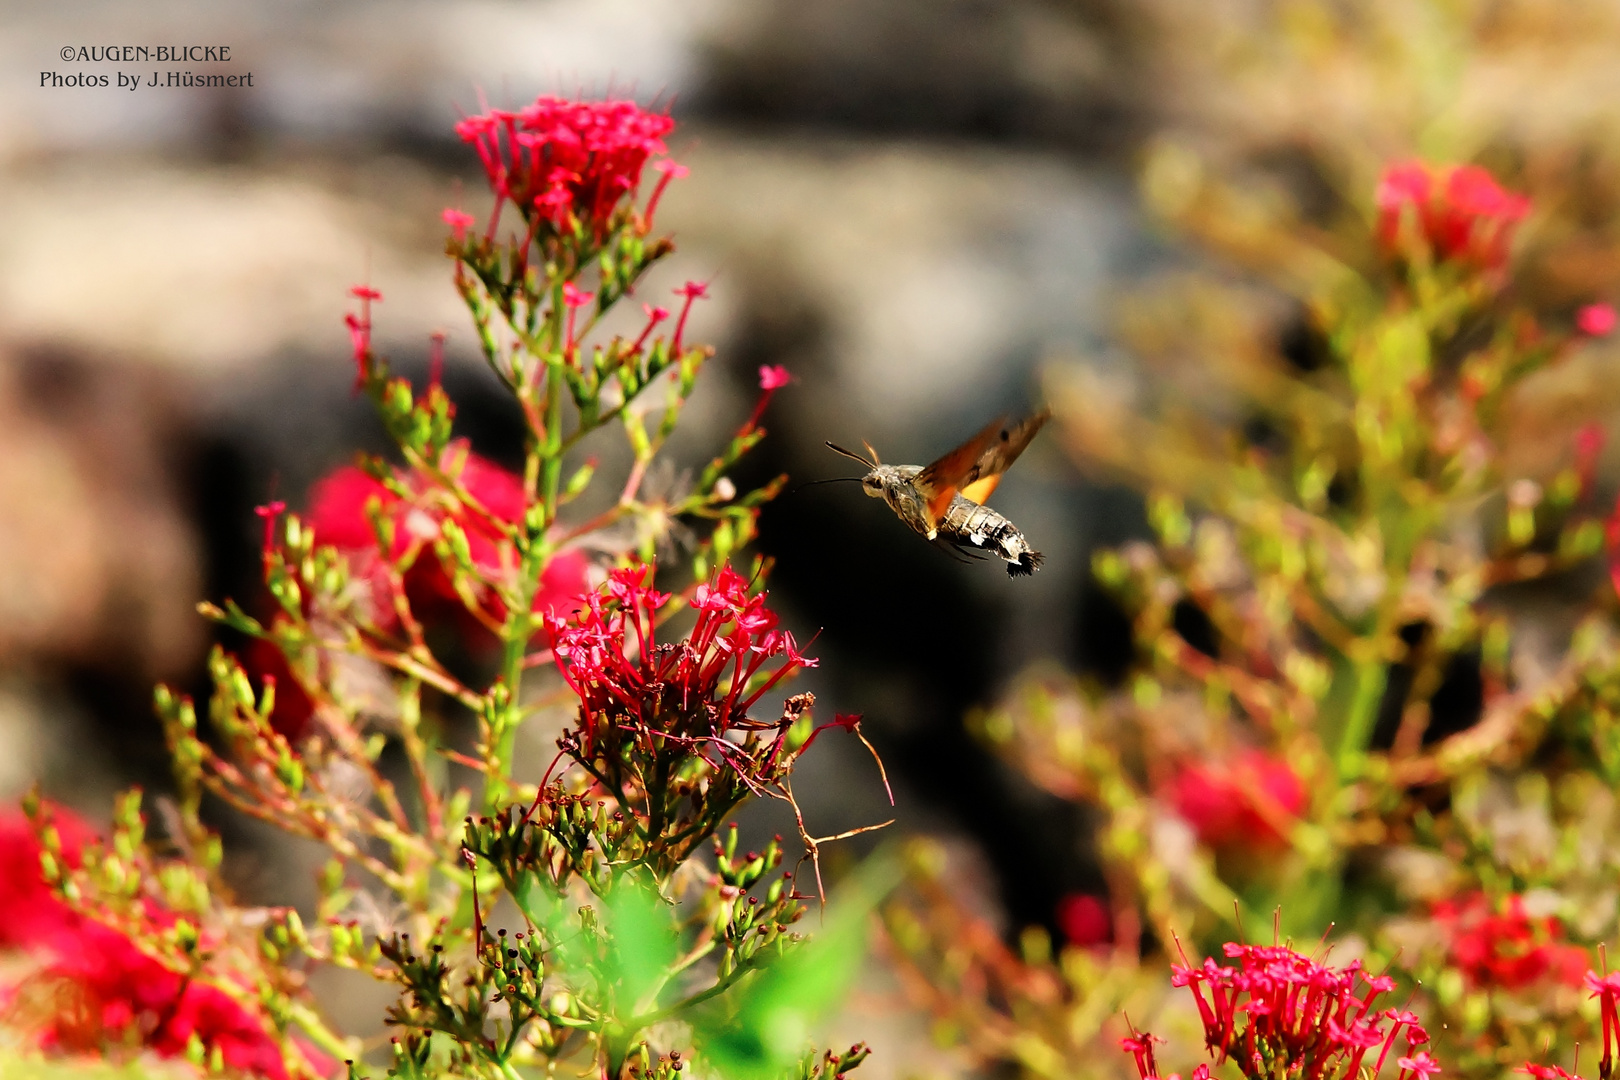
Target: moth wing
998 457
940 480
980 490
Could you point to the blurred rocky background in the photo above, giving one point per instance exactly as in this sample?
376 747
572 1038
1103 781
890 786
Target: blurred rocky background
915 205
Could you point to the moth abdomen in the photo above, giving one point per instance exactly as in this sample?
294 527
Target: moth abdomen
1028 562
970 525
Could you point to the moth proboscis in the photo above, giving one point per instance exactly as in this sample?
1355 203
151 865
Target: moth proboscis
945 500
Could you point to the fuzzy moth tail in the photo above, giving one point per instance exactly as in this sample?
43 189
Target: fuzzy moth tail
1027 564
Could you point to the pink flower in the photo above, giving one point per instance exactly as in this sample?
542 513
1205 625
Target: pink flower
655 315
1085 920
1596 320
692 290
360 333
98 988
1250 799
670 171
773 378
1499 945
1546 1072
1459 213
1139 1044
570 161
337 514
1606 988
1419 1064
459 221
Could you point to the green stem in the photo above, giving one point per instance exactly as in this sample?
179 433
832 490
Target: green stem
319 1034
1361 717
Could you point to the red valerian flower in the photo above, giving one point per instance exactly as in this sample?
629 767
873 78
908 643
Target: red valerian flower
1459 213
360 332
1250 799
1085 920
697 688
771 379
568 161
692 290
1498 945
651 708
338 516
1420 1064
90 987
1606 988
1278 1012
1139 1044
458 220
1596 320
1546 1072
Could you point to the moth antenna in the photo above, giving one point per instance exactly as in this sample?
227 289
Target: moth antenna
869 450
829 480
835 448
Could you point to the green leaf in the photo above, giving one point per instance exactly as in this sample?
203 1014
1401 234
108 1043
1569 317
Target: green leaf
642 946
762 1029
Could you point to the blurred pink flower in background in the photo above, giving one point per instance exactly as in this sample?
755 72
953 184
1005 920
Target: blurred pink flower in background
1596 320
1496 944
1248 799
90 987
338 516
1460 212
1085 920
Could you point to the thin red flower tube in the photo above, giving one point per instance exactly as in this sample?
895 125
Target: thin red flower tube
1606 988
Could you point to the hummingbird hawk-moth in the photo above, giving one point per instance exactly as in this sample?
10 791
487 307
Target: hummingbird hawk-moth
945 500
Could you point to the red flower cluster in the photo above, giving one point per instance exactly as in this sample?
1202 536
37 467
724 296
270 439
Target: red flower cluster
1546 1072
1459 213
1250 799
692 691
1280 1013
1500 946
91 987
568 160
